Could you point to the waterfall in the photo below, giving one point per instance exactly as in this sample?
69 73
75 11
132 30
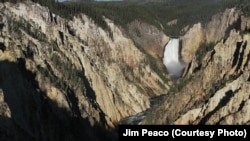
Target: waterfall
171 58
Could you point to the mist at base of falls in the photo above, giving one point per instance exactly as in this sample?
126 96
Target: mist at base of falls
171 59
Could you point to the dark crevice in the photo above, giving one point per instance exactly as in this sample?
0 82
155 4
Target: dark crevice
241 105
2 47
236 53
89 91
211 58
1 26
248 60
241 55
91 94
180 50
197 68
187 68
236 25
73 102
51 16
55 19
239 109
228 95
71 31
224 40
61 36
235 76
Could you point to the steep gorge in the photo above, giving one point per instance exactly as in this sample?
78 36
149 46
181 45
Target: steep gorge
215 85
69 79
72 68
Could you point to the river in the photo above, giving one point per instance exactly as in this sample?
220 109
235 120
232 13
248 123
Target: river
137 118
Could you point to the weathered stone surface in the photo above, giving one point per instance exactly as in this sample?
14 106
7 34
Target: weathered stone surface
73 69
217 29
216 93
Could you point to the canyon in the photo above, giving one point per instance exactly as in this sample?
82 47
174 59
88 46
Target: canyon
69 79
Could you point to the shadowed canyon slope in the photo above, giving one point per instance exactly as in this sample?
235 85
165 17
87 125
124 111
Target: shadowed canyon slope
71 79
53 69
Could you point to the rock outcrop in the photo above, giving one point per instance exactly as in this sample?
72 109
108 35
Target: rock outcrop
217 92
217 29
149 37
54 69
191 41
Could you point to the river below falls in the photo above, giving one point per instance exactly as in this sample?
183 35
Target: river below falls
137 118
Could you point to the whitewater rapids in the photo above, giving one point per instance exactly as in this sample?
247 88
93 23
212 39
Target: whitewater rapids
171 58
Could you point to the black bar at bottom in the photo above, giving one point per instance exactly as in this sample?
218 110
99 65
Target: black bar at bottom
175 132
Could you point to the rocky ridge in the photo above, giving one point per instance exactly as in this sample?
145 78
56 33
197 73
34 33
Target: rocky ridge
73 70
215 91
217 29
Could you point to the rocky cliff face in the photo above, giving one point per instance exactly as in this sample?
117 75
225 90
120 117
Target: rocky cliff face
64 79
53 69
214 91
217 29
227 69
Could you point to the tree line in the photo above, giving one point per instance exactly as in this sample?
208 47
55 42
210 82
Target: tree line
154 13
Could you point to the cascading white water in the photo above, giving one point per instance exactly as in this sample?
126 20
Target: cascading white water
171 59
